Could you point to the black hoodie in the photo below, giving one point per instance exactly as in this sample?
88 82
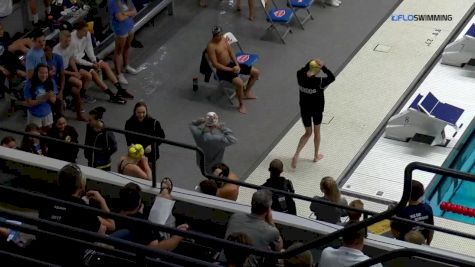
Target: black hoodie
311 88
103 140
148 126
283 184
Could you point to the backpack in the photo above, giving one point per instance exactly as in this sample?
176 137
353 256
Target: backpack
284 203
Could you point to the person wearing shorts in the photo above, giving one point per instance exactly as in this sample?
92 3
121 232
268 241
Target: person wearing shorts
312 103
229 76
122 14
224 60
82 43
39 92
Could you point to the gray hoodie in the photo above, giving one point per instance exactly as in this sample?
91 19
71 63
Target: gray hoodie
212 141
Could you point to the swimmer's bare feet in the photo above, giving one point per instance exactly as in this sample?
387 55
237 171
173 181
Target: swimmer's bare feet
251 18
318 157
203 3
295 158
242 109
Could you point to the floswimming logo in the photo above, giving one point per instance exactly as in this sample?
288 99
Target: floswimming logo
419 17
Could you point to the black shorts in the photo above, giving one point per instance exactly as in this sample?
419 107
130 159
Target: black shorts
309 115
86 68
229 75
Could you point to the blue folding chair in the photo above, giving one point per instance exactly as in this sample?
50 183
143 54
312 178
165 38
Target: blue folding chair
297 5
241 56
281 16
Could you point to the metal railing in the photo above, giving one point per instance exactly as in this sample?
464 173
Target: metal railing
376 217
410 252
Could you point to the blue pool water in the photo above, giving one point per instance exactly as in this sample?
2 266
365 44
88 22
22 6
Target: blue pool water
454 190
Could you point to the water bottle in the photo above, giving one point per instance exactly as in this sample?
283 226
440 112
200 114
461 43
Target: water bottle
195 84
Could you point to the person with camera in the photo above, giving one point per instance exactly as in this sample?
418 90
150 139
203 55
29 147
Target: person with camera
212 137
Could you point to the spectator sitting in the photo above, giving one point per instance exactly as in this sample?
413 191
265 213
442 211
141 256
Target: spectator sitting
76 79
280 202
72 188
142 122
331 193
135 163
31 144
39 92
418 211
355 216
56 72
9 142
212 137
61 130
304 259
220 189
81 40
348 254
96 136
415 237
35 55
234 257
225 190
131 205
258 225
228 68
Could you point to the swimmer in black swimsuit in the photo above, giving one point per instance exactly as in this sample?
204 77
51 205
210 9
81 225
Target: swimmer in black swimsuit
312 103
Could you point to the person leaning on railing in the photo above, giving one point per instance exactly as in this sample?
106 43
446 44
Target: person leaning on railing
142 122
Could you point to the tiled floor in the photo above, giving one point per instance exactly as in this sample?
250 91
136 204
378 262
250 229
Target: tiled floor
360 99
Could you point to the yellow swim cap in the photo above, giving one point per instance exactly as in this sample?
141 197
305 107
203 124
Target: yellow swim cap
136 151
314 67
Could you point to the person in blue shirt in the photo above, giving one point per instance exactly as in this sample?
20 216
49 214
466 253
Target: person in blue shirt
56 72
39 92
35 55
122 23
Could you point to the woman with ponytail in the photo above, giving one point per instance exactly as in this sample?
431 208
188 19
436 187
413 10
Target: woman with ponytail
135 163
331 193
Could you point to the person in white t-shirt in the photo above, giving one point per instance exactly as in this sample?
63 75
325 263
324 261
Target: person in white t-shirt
348 254
86 60
76 79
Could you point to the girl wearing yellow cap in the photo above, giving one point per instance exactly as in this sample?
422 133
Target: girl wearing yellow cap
135 163
312 103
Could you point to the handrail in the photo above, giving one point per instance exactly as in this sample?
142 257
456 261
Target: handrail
293 195
410 252
376 217
163 141
47 138
22 259
130 246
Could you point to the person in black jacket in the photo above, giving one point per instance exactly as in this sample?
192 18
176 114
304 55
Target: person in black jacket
97 137
142 122
280 203
61 130
312 103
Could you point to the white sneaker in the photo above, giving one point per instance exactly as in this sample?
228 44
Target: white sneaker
339 2
334 3
122 79
131 70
